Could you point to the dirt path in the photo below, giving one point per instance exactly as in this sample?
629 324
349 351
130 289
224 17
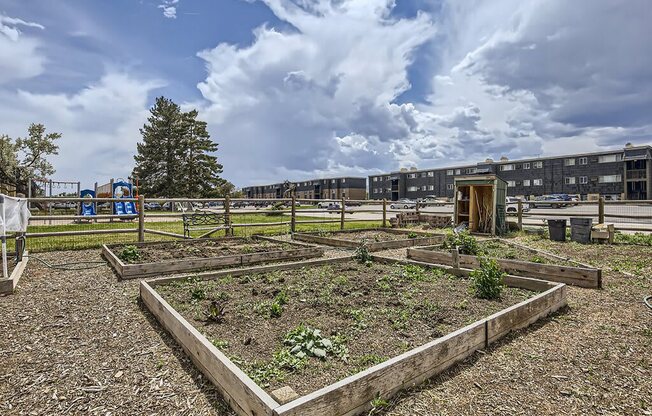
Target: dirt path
80 343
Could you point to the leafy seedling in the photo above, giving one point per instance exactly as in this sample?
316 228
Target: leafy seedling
129 254
487 281
215 312
305 341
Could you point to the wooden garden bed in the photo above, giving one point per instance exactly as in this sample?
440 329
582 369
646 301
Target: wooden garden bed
374 238
542 268
238 252
352 394
7 286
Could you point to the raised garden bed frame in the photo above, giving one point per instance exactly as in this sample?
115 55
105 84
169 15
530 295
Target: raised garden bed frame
351 395
576 276
8 285
129 271
425 239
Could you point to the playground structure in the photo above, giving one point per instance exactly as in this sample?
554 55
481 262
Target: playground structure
88 209
118 189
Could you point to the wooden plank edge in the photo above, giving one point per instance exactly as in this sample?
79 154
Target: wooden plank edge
212 275
7 286
249 397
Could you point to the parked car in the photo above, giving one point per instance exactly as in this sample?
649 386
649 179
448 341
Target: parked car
403 203
511 205
152 206
333 206
434 200
326 204
547 201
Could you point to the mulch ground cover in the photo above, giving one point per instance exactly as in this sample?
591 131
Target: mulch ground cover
367 314
201 249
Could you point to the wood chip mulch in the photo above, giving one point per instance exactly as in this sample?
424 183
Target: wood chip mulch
79 342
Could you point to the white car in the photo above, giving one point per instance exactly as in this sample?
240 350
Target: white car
403 203
511 205
328 204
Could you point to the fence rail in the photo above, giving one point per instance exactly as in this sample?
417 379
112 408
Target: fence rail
65 228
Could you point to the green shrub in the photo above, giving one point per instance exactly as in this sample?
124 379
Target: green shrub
640 239
362 255
412 234
487 281
466 243
129 254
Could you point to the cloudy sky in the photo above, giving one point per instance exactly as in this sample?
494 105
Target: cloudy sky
295 89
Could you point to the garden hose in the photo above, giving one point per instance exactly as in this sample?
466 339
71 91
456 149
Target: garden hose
648 301
81 265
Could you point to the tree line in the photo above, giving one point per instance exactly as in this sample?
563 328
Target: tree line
176 157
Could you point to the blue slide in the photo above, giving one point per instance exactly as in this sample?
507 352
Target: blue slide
87 209
130 208
119 208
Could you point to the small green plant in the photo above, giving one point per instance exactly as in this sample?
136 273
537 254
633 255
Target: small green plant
465 242
413 272
215 312
305 341
358 318
197 293
377 404
273 308
412 234
537 259
220 344
362 255
129 254
487 281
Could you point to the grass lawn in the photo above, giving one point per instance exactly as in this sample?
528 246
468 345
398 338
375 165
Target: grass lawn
37 244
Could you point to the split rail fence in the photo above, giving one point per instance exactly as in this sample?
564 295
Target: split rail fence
56 224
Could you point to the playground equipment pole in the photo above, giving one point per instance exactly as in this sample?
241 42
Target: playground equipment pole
3 237
141 218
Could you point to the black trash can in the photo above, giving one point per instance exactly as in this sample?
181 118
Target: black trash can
557 230
581 229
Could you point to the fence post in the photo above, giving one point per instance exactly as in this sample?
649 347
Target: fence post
227 216
384 212
342 215
141 218
293 219
601 210
519 213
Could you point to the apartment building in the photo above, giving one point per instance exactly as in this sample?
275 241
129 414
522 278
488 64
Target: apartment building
326 188
616 174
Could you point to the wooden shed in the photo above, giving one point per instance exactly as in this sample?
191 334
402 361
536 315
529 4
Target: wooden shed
480 202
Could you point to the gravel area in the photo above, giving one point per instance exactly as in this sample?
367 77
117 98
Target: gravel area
79 342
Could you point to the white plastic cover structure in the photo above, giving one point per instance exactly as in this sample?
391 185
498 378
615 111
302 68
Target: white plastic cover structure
14 216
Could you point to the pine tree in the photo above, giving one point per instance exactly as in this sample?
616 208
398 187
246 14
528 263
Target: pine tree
173 160
200 169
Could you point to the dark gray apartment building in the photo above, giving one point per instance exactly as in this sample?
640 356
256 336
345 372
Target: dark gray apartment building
353 188
616 174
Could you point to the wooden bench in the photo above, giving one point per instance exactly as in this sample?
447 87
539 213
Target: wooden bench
204 221
603 232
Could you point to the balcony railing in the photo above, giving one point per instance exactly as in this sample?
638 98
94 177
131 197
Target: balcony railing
637 174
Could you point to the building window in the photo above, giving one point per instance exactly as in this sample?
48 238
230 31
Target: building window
569 180
412 188
423 187
412 175
332 180
584 180
431 187
387 178
431 174
526 165
511 184
583 161
526 182
343 180
610 158
610 178
507 167
569 162
537 182
458 171
471 171
449 172
537 165
450 187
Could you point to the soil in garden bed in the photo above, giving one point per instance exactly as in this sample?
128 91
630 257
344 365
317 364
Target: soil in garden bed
370 236
501 250
368 314
175 250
